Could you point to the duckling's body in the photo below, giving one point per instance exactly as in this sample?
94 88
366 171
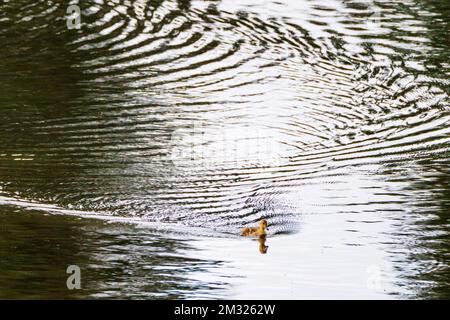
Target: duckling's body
258 232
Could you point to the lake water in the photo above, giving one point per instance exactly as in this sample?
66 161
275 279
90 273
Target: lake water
138 145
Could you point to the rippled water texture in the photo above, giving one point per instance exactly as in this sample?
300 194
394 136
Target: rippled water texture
140 144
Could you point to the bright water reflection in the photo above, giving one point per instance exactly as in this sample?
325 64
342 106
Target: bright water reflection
167 126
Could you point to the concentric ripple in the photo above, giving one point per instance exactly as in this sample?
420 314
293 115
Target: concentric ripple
329 118
217 113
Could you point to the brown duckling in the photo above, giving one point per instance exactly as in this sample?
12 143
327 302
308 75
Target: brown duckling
259 232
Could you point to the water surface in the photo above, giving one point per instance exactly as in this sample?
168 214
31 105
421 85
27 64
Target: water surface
140 144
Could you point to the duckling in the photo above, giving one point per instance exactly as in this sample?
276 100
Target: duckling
260 232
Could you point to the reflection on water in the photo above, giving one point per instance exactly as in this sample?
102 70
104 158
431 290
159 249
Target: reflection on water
262 245
116 261
180 122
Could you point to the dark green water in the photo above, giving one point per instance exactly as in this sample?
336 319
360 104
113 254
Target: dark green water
138 146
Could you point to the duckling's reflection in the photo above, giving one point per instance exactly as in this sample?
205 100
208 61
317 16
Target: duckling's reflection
262 244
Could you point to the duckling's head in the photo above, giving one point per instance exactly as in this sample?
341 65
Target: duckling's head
263 224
